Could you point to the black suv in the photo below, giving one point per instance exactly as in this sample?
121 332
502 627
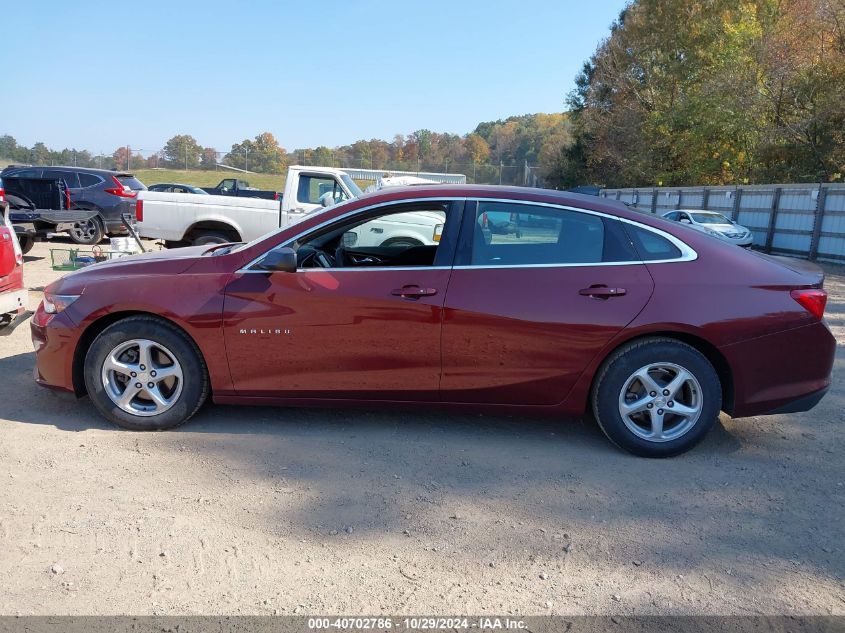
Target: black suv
109 193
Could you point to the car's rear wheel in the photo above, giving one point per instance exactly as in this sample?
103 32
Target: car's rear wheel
87 232
657 397
145 374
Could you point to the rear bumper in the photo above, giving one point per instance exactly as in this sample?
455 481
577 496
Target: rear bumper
785 372
13 302
799 405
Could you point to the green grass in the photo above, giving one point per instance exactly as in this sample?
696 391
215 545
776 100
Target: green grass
272 182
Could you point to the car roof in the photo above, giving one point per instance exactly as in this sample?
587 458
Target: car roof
87 170
505 192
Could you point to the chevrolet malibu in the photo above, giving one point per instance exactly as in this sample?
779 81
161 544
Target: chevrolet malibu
591 308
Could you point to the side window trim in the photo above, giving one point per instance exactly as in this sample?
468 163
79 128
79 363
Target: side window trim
463 257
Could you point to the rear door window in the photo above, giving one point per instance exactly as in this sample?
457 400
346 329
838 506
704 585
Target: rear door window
508 234
69 177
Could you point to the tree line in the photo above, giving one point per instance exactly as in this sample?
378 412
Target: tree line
712 92
535 139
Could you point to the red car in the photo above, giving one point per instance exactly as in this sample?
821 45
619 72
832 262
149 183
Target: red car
12 292
587 306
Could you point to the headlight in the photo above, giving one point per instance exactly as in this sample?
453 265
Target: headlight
712 232
53 304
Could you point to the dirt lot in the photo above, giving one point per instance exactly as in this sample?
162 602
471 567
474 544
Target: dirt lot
286 511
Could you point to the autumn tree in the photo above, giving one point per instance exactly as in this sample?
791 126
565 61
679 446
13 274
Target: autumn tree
182 151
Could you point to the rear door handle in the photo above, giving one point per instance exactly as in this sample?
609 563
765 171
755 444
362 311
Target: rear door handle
413 292
602 292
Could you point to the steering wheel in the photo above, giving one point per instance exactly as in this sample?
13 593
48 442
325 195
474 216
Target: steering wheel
340 257
311 257
323 259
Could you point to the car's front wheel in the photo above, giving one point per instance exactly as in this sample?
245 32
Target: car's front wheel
145 374
656 397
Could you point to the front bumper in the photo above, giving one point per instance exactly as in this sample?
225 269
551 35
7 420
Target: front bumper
740 241
55 340
13 302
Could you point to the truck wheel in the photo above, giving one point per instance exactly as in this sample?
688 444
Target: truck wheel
211 237
145 374
88 232
26 242
402 241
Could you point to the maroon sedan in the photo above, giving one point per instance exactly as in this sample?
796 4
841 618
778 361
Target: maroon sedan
520 300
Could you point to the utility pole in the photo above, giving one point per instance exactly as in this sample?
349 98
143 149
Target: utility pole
246 159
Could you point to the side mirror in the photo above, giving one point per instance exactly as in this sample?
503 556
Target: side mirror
326 199
685 221
279 260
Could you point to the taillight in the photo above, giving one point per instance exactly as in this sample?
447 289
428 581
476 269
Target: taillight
2 195
276 196
139 210
120 189
813 300
67 199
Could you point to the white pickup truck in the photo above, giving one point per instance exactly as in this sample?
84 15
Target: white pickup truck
184 218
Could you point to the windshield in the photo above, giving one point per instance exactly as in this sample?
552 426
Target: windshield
350 184
710 218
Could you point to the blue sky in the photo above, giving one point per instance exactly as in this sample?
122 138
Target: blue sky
96 76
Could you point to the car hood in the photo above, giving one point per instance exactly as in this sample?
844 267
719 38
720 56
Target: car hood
161 262
726 228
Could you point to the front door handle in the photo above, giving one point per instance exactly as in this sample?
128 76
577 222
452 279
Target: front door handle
601 292
413 292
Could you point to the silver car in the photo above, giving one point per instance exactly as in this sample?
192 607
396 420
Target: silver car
714 224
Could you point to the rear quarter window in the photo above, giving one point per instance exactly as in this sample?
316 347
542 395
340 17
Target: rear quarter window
651 246
89 180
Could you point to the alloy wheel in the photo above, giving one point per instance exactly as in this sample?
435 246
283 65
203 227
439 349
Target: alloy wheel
85 231
142 377
661 402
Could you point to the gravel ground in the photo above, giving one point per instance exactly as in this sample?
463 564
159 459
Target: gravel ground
261 511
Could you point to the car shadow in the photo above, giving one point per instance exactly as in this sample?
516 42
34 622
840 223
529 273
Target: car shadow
447 479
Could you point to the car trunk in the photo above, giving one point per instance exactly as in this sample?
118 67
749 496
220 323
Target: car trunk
812 273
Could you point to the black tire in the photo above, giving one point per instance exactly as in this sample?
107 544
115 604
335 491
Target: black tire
401 241
26 242
615 373
211 237
88 233
194 389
